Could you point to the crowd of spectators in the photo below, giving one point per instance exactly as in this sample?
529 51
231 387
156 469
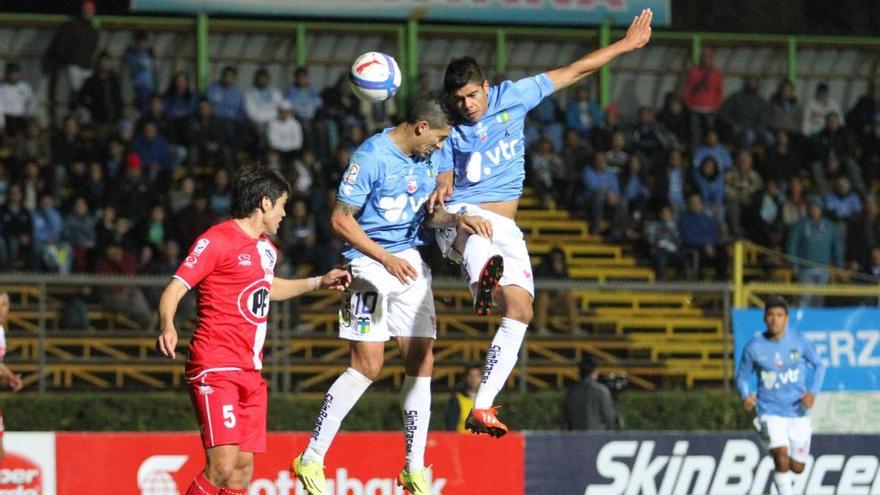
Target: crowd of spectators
112 184
683 181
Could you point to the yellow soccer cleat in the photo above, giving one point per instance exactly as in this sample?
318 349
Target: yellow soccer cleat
311 474
415 482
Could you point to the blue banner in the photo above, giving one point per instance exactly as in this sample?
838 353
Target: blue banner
694 463
565 12
847 340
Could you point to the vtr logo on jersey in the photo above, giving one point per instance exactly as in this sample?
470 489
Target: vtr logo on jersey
773 379
20 476
154 474
394 207
253 302
504 151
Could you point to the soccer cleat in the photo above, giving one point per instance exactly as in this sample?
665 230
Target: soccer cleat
490 275
311 474
415 482
485 421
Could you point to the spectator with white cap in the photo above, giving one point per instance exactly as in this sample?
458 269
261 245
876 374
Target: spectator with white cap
285 132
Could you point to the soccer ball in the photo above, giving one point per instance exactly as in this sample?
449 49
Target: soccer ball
374 77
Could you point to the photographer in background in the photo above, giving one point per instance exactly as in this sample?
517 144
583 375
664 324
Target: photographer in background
589 404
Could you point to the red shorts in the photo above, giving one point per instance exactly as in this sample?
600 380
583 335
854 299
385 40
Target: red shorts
230 407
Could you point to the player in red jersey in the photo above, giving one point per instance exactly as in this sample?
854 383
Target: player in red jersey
233 265
11 379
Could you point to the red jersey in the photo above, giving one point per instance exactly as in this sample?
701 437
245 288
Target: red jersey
233 272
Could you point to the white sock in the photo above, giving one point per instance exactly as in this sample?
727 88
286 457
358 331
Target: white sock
416 406
342 396
477 250
500 360
782 482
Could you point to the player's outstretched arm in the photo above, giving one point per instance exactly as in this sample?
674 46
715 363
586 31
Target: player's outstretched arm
342 222
442 192
637 36
166 343
282 288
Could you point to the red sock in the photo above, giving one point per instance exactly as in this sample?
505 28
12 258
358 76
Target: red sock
201 486
233 491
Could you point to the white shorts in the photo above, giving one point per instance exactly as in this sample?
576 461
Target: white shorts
377 306
793 433
507 240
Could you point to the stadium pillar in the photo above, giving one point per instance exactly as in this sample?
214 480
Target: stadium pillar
792 59
605 71
500 51
403 92
412 52
738 259
696 43
202 69
41 367
301 45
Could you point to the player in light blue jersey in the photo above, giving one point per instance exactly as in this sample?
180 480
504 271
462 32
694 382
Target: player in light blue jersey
481 173
380 214
779 358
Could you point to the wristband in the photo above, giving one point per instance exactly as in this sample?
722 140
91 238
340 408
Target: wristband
314 283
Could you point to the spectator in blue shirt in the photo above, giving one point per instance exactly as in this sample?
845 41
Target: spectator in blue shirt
603 190
180 107
154 153
843 203
141 65
712 147
816 241
306 101
582 113
48 227
701 239
710 184
226 97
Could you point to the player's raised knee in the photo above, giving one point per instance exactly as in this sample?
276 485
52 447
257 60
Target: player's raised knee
796 467
519 309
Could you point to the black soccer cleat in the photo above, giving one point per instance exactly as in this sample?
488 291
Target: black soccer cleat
490 275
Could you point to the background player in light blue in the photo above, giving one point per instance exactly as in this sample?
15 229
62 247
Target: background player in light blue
485 157
778 358
380 214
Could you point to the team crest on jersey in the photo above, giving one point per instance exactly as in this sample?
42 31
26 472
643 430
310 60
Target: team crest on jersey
244 260
795 355
352 174
502 117
200 246
253 302
482 132
412 184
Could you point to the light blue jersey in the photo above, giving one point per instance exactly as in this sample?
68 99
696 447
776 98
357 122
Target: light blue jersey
489 156
781 370
390 189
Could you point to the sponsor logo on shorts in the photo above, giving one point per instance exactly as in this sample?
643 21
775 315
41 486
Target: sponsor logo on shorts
363 325
322 415
492 356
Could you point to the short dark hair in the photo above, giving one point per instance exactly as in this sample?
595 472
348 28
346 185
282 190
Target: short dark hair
431 108
251 184
460 72
775 302
587 365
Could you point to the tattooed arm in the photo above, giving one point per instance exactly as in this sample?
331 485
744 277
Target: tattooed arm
346 226
468 224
